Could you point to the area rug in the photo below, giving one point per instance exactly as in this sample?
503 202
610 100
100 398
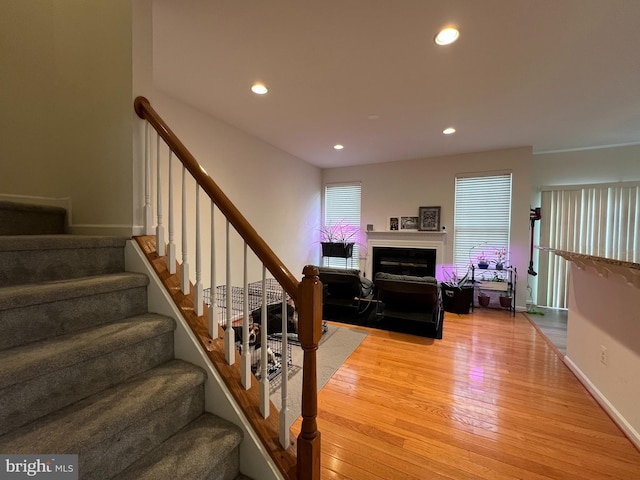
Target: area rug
336 345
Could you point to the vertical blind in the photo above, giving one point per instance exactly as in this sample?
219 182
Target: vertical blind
600 220
482 218
342 206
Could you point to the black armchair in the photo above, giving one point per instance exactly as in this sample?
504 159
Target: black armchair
410 298
346 288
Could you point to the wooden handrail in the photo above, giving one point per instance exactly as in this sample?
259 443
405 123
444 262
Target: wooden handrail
255 242
307 294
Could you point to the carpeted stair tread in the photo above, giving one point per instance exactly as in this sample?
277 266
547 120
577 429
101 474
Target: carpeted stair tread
108 426
31 207
58 242
29 219
29 361
84 369
55 374
34 312
201 450
39 258
18 296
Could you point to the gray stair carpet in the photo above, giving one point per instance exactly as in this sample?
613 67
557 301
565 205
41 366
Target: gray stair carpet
23 219
85 368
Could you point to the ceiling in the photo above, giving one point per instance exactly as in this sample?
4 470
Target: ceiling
551 74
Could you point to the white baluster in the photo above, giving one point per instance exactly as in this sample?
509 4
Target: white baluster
246 354
185 285
229 334
160 246
213 323
264 346
171 254
198 301
284 375
148 210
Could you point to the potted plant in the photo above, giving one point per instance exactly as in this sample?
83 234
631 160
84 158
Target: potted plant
457 291
505 300
337 239
501 257
483 262
493 281
483 299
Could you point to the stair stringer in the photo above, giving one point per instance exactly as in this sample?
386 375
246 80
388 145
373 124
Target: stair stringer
255 461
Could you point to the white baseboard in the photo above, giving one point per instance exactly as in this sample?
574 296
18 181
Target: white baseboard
631 433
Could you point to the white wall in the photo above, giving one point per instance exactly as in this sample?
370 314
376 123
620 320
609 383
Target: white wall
400 188
277 193
66 106
142 84
603 165
606 312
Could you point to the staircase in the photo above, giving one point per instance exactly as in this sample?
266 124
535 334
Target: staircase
85 369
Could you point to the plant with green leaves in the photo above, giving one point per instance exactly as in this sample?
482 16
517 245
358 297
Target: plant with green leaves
340 232
453 279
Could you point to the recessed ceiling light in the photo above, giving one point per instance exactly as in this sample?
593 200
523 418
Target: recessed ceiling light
338 147
449 131
447 35
259 89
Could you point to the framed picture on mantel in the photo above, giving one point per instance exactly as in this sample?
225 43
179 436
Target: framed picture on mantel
408 223
429 219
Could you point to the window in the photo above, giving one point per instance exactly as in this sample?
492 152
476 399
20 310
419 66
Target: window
482 218
600 220
342 206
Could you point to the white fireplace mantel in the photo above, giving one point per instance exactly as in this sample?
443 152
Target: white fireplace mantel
405 239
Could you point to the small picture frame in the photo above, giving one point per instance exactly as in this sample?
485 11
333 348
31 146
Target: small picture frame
409 223
394 223
429 219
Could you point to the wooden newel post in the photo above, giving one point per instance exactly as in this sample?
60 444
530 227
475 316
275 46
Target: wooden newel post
309 333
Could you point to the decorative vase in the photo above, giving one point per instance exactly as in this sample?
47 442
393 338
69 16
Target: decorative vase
483 265
505 302
483 300
499 266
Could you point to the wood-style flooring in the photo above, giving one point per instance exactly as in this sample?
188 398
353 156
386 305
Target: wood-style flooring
491 400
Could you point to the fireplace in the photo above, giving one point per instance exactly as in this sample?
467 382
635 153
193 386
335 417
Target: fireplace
419 262
415 242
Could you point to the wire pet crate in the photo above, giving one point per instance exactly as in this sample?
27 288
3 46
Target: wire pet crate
273 294
274 357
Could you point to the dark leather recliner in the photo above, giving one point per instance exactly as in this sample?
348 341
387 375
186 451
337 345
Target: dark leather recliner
410 298
346 288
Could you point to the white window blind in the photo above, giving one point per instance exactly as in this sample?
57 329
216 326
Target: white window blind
599 220
482 218
342 206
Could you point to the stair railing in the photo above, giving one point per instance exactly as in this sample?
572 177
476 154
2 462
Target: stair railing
217 317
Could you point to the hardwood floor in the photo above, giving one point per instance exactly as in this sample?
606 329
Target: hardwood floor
491 400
